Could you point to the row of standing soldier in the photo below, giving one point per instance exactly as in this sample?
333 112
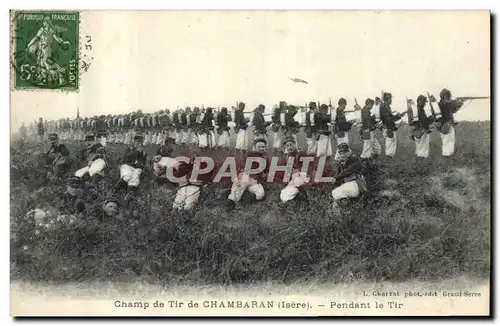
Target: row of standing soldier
198 127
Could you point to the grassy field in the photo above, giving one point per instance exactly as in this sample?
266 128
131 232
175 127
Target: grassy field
418 221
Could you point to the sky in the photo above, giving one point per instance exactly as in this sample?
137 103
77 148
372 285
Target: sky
154 60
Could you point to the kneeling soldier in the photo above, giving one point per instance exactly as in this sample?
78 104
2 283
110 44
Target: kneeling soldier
349 181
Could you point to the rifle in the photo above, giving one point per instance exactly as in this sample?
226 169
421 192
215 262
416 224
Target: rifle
472 98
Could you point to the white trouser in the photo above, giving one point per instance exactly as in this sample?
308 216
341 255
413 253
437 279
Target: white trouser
239 186
186 136
312 146
370 146
390 144
324 146
97 167
347 190
292 189
103 141
343 140
186 197
178 137
207 140
224 140
422 145
194 140
130 175
242 140
128 137
164 162
278 140
448 141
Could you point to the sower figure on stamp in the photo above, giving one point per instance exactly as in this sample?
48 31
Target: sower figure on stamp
222 123
132 166
389 122
349 181
247 186
446 124
371 146
323 128
311 130
420 118
241 128
259 123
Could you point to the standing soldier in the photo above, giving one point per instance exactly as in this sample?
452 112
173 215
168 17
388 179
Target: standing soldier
23 131
324 141
420 120
259 122
241 125
176 119
291 128
448 108
194 122
40 130
186 132
389 122
222 123
206 135
342 126
371 146
277 127
310 129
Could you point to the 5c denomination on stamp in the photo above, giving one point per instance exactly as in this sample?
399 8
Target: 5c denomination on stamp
45 50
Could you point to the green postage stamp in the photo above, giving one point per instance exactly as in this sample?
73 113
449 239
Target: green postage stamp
45 50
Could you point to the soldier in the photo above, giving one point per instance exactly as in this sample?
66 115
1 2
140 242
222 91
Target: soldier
241 128
277 126
206 133
291 127
448 108
186 131
40 130
177 126
389 121
194 125
324 141
58 156
371 146
349 181
421 124
95 161
342 126
248 186
222 123
259 122
310 129
300 178
23 131
133 163
163 159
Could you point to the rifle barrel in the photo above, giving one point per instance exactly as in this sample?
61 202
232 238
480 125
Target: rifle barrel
472 97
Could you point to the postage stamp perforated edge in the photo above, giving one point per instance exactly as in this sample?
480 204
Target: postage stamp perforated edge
13 86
